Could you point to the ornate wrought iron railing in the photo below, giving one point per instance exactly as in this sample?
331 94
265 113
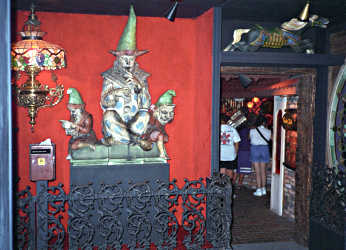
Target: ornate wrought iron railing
144 216
328 207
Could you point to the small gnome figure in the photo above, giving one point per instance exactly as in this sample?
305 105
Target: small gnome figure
161 114
80 125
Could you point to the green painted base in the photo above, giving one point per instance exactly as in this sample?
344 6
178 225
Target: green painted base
115 155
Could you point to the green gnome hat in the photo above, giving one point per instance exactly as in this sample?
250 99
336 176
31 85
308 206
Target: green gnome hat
75 100
166 98
127 42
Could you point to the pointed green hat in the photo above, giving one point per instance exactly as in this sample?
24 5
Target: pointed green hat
127 42
166 98
75 100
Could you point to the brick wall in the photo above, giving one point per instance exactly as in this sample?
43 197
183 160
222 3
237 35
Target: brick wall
289 193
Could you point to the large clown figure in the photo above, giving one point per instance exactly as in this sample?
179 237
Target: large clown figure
125 99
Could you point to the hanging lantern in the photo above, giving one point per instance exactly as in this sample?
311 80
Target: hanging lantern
32 55
289 119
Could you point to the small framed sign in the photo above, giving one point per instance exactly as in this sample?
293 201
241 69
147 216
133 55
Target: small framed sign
42 162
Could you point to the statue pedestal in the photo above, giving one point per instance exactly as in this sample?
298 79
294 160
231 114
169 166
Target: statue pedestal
121 154
112 205
125 173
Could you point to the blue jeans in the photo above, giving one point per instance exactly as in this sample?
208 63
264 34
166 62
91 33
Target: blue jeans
259 153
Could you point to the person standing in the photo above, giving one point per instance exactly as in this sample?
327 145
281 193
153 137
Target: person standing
259 154
244 163
229 145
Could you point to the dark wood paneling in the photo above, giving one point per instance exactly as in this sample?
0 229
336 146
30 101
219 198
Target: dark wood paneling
320 119
305 111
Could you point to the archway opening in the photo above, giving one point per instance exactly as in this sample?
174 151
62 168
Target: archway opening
288 174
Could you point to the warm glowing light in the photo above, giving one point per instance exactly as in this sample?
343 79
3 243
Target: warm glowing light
255 99
250 105
32 55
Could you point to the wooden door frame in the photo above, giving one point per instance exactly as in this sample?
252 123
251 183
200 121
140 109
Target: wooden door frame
306 89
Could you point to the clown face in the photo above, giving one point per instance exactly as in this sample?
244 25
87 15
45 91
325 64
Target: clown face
127 61
164 114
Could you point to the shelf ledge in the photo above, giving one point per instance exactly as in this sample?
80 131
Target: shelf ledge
279 58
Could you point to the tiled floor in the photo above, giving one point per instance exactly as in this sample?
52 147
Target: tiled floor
254 222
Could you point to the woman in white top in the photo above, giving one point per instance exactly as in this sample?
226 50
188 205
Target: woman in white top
259 155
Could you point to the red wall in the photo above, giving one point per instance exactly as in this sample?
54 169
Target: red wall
180 58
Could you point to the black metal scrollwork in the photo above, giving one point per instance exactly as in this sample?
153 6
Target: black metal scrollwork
109 207
81 229
193 195
139 202
329 206
50 208
219 209
165 222
144 214
24 220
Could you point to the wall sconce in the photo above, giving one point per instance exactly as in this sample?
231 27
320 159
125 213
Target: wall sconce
172 12
32 55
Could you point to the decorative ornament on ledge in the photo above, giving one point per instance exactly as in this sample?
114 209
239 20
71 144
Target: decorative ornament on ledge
289 34
32 55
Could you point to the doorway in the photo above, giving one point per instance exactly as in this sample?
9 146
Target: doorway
280 83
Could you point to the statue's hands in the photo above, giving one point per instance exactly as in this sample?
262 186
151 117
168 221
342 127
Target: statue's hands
73 132
131 78
125 91
66 124
70 127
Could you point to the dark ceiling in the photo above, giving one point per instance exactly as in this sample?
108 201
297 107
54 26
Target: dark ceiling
249 10
152 8
283 10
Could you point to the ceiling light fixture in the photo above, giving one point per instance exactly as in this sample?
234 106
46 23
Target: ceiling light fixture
172 12
244 80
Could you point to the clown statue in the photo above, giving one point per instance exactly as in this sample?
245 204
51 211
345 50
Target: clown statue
125 99
162 113
80 125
